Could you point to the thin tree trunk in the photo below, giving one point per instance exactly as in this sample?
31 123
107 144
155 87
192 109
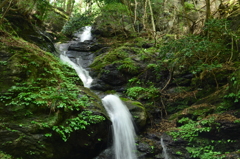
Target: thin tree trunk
72 6
208 9
144 15
69 6
64 5
152 19
135 12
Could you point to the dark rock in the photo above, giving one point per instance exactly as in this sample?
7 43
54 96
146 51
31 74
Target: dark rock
106 154
81 58
147 45
84 46
184 79
30 32
176 148
143 147
98 84
138 112
112 76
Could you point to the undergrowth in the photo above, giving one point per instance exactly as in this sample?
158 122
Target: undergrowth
45 85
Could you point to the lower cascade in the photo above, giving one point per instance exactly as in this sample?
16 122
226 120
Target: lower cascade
123 129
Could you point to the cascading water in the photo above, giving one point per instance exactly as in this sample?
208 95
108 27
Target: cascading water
164 152
123 129
82 73
86 35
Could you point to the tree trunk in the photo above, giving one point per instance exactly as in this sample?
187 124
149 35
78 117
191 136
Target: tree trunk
64 5
135 11
152 19
72 6
69 6
208 9
145 15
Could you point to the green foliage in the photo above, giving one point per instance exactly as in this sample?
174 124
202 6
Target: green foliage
80 122
28 6
119 56
217 29
188 6
198 146
48 88
201 53
143 93
232 98
128 65
78 21
114 17
4 63
105 1
5 156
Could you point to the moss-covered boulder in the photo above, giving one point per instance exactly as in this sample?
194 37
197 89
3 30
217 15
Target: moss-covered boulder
138 112
45 112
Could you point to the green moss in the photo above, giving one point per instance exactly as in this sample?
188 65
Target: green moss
120 56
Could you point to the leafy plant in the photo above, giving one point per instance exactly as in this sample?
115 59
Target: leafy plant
80 122
78 21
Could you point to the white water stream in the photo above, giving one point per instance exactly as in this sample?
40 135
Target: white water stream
164 152
82 73
86 34
123 129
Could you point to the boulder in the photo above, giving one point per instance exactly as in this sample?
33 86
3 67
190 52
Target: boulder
43 113
112 76
85 46
138 112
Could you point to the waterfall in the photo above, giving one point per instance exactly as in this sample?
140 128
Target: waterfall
164 152
82 73
86 35
123 129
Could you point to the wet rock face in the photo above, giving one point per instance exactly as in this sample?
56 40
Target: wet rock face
82 58
113 76
29 32
106 154
138 112
85 46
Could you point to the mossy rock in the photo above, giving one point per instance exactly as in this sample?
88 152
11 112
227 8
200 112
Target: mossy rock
204 106
138 112
120 56
45 112
194 112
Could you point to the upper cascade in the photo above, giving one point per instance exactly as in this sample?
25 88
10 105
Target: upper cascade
86 34
82 73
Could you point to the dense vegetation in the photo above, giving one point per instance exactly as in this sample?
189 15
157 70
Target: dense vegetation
180 60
